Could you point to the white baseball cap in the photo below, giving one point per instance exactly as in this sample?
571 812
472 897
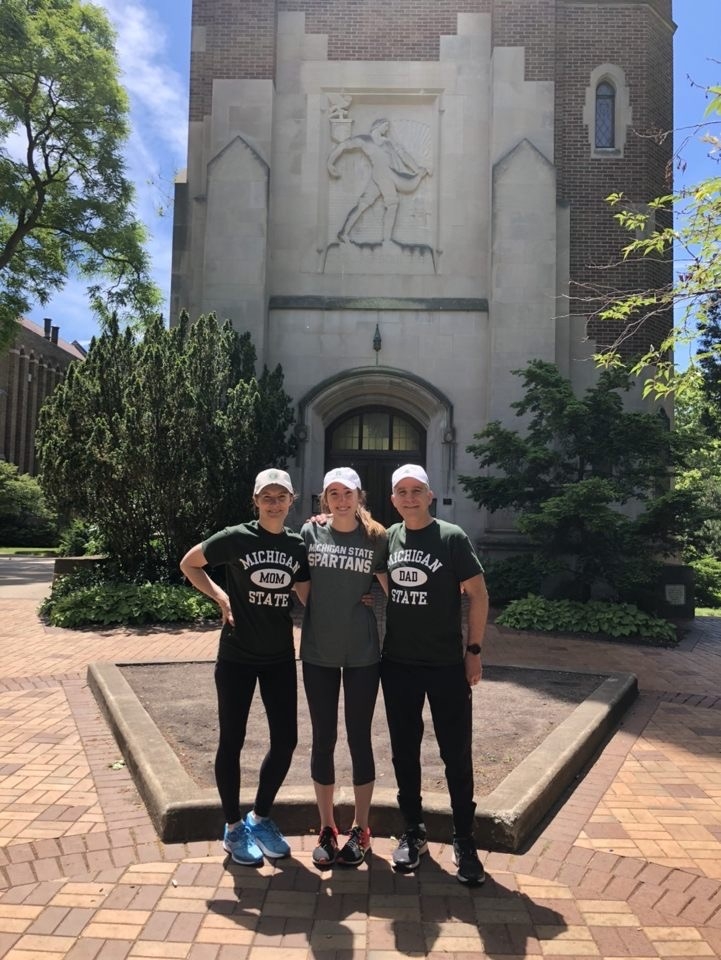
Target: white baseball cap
345 475
411 470
267 478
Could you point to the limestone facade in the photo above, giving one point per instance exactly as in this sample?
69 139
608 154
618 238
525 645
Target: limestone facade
398 199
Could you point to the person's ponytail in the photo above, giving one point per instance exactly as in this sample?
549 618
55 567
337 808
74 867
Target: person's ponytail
371 527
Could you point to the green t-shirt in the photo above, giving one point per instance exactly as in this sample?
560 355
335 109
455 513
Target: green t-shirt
338 629
425 570
261 569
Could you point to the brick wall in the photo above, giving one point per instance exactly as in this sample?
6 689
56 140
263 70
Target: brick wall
532 25
240 34
383 29
634 38
29 372
239 45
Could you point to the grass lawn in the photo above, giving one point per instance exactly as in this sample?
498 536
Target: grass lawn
708 612
28 551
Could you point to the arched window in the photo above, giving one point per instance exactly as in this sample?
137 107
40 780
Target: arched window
372 430
605 115
607 111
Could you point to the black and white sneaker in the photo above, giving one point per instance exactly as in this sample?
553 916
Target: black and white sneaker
413 843
465 856
326 851
356 847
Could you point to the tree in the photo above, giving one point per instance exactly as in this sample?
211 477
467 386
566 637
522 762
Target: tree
66 205
709 355
589 481
157 440
698 420
25 520
696 237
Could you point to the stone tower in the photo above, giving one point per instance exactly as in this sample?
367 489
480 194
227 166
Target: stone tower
403 201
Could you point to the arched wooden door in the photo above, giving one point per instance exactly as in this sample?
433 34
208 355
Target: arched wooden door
375 441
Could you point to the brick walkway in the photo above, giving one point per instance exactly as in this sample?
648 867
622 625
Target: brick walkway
629 866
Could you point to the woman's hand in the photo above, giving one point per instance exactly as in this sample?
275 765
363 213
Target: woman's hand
223 601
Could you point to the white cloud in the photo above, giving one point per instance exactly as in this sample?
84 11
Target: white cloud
157 145
157 91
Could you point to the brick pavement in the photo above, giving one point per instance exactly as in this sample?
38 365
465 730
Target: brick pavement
628 866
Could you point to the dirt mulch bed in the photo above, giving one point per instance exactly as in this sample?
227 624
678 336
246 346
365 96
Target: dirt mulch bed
514 709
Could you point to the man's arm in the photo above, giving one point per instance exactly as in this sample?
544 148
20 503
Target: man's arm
475 590
192 565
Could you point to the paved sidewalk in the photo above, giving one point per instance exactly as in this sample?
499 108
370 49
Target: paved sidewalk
629 866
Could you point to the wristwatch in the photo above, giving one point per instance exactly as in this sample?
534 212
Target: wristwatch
474 648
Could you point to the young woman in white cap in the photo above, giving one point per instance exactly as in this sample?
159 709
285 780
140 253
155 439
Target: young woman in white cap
263 561
339 642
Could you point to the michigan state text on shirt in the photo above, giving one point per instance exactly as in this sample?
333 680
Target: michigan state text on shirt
340 556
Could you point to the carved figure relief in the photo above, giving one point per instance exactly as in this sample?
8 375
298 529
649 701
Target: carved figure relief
379 201
392 170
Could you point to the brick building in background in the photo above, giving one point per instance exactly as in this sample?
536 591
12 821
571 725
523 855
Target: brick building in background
29 372
397 199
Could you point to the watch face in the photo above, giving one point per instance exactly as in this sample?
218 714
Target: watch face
473 648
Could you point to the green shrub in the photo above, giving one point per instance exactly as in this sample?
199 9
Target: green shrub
81 539
707 575
570 493
25 519
84 600
159 476
512 578
616 620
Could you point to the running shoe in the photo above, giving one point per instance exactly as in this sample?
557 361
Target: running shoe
326 851
354 850
465 856
413 843
268 837
241 846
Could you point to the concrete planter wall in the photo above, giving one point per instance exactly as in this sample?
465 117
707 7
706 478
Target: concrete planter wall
65 565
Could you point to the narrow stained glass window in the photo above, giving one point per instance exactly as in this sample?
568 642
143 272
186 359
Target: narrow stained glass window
605 115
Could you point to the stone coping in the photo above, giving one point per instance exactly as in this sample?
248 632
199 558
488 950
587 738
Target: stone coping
181 811
432 304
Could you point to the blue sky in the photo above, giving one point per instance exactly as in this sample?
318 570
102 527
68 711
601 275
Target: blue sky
153 51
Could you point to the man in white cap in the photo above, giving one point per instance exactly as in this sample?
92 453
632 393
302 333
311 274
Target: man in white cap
430 563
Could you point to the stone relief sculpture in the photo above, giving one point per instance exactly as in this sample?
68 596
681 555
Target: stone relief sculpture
338 105
392 170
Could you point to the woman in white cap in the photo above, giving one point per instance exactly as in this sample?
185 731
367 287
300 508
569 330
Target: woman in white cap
263 562
339 642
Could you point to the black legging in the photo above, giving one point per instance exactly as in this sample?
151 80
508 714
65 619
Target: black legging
405 688
235 685
360 690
